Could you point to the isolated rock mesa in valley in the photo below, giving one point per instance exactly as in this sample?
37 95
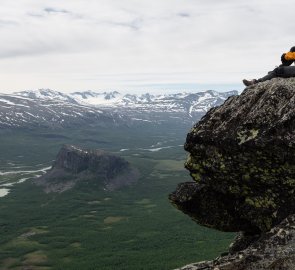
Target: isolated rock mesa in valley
74 164
242 161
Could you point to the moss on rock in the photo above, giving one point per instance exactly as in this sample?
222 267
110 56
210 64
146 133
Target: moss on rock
244 150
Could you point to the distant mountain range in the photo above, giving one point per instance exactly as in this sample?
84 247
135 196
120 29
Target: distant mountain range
49 108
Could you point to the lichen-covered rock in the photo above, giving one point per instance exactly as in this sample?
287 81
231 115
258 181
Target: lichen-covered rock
242 159
75 164
274 250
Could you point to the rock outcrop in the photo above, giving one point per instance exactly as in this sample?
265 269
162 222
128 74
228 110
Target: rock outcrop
275 250
75 164
242 161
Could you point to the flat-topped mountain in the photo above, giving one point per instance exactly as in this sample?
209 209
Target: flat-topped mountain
75 164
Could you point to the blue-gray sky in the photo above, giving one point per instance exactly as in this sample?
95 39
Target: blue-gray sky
140 45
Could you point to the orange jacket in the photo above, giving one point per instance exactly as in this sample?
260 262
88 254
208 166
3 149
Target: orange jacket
290 56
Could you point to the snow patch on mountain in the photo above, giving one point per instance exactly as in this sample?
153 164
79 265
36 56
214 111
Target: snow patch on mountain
46 94
49 108
93 98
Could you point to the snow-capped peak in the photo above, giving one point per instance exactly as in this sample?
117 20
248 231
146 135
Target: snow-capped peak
47 107
182 101
95 98
91 94
46 94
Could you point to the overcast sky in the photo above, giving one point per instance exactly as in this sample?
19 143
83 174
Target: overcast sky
140 45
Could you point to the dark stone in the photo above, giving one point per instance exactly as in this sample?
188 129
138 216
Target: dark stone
75 164
273 250
210 208
242 159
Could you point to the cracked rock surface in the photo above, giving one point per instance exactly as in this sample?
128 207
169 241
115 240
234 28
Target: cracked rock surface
274 250
242 163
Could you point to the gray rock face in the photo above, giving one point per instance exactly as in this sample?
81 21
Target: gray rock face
275 250
242 161
75 164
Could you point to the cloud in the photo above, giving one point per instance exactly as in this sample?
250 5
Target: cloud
4 23
133 25
183 14
55 10
51 43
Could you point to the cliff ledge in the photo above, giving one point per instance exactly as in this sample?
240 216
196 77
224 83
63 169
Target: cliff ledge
242 161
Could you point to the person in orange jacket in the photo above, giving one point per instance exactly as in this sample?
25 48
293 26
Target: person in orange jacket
285 70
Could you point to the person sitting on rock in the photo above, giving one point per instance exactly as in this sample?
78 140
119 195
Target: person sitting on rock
285 70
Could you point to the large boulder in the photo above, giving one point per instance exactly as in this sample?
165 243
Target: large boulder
242 161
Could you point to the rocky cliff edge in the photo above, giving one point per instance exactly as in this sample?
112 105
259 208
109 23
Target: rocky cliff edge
242 161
